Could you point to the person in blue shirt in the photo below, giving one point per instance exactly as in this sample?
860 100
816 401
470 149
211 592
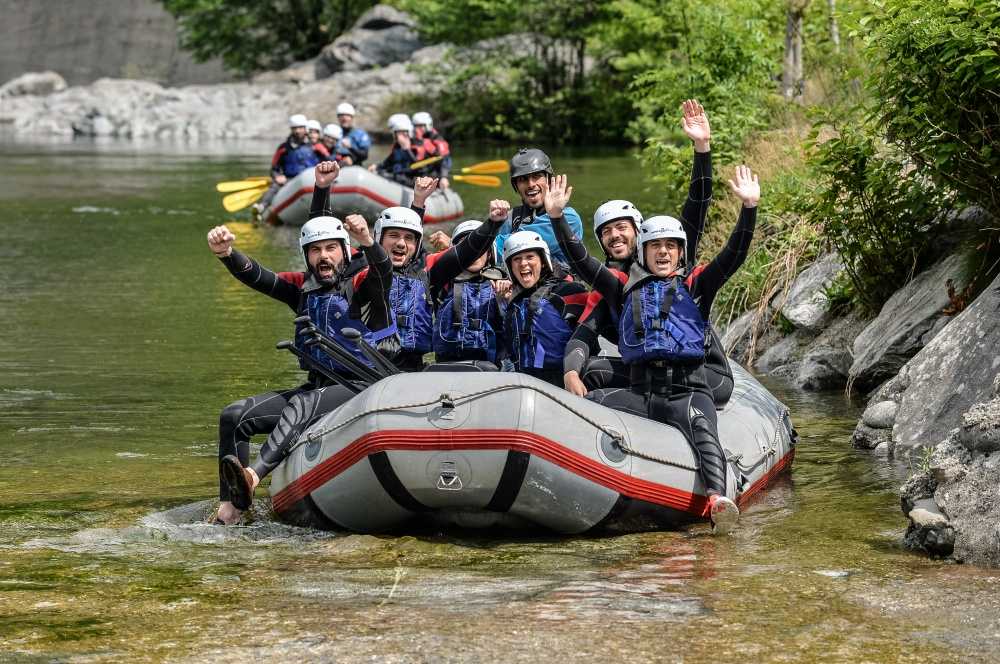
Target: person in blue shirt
356 142
530 175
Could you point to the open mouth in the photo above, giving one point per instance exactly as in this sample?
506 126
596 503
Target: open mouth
325 269
526 275
398 256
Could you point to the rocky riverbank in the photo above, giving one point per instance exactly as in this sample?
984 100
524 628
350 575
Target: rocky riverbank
929 363
381 58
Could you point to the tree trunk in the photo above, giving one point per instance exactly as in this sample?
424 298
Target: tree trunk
834 29
791 76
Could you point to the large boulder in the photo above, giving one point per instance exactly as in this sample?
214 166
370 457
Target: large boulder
33 83
381 36
807 305
954 371
906 323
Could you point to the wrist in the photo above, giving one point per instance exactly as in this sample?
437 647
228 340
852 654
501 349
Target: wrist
750 204
223 254
703 146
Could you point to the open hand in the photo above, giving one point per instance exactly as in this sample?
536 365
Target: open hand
439 240
357 228
422 188
746 186
695 124
557 197
499 211
326 173
220 241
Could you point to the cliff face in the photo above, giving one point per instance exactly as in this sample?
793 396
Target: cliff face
84 40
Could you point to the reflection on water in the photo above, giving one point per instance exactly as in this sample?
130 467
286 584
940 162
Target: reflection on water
123 339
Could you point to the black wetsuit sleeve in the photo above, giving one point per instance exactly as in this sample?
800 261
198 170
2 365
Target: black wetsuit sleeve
582 344
569 298
698 201
375 287
460 256
419 210
709 281
320 206
259 278
591 270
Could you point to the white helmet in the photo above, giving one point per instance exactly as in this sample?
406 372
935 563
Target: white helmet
343 108
324 228
465 227
400 122
522 241
297 120
314 125
333 130
398 217
423 118
658 228
613 210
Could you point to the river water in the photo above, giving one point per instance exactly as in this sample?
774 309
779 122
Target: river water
122 338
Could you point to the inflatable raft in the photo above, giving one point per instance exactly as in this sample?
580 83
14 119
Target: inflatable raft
508 450
356 191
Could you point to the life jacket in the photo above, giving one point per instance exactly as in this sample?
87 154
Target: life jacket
434 145
659 320
411 303
299 158
537 333
462 327
329 311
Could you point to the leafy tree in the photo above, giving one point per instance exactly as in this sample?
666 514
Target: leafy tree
254 35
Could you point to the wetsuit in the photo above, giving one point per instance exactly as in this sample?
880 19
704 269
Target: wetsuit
674 392
396 165
260 414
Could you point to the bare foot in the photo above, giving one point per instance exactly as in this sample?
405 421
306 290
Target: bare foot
227 514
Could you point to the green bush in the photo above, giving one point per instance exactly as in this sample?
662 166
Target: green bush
936 76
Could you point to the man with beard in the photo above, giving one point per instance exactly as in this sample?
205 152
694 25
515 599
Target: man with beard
334 302
292 157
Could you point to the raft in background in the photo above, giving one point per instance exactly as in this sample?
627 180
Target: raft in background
356 191
506 449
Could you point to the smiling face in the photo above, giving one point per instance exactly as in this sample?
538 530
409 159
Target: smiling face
401 245
314 135
526 268
325 258
299 133
532 188
618 238
662 256
345 121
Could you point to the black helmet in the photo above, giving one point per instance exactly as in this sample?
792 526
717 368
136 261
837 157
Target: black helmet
528 161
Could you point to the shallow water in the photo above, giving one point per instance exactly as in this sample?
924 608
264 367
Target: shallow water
122 339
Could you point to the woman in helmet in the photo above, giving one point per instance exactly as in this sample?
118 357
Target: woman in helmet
468 322
433 145
322 291
661 307
543 310
396 166
332 133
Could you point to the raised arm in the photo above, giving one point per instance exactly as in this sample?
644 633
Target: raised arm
695 124
460 256
326 174
249 271
372 285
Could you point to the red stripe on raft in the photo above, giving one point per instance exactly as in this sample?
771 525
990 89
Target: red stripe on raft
291 199
498 439
783 464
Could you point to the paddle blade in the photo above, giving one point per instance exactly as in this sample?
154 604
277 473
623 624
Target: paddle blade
417 165
240 185
478 180
498 166
242 199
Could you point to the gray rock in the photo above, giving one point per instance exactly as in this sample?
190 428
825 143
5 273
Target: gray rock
823 368
807 305
882 450
951 373
33 83
980 430
736 334
881 415
926 513
901 328
381 36
866 438
780 354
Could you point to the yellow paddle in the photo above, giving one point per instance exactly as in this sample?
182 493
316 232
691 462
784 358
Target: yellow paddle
242 199
240 185
478 180
417 165
497 166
